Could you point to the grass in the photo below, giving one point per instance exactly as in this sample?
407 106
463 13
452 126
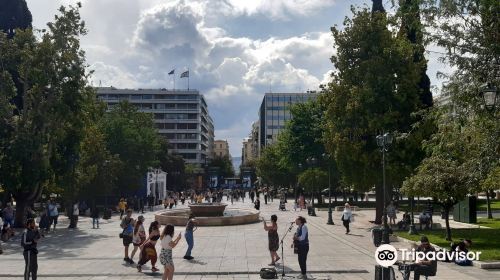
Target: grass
481 205
485 240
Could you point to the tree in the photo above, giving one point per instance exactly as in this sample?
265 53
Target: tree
14 14
40 140
269 169
132 136
374 89
174 165
445 174
224 166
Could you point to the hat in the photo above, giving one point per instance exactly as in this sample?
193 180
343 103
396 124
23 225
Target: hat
424 239
140 218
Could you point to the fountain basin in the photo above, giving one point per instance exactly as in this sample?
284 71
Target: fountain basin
207 209
233 216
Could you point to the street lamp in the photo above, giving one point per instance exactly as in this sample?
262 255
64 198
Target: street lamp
384 141
312 161
330 218
489 93
413 229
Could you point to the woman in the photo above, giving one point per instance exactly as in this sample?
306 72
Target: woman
167 244
190 229
346 217
139 235
272 235
391 213
148 251
301 240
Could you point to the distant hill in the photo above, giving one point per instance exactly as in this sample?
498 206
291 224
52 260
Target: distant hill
236 164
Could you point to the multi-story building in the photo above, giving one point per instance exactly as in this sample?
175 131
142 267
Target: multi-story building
275 112
221 148
181 116
250 149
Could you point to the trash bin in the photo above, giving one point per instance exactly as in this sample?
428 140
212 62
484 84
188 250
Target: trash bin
377 236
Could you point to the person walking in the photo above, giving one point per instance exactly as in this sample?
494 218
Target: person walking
8 215
29 241
301 240
272 235
167 244
127 225
347 217
139 236
148 250
190 229
252 195
53 213
94 214
122 206
74 216
391 213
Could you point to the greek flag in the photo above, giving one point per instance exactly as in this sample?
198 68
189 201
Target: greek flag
185 74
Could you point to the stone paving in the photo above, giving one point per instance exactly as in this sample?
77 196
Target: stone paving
234 252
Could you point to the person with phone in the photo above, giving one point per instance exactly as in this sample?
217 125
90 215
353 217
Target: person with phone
29 241
190 229
167 244
274 240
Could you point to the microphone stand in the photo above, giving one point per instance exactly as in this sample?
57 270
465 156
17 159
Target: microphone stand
282 249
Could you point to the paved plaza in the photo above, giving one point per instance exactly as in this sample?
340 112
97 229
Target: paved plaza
233 252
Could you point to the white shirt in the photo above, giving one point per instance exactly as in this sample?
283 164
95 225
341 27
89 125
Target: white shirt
76 211
165 242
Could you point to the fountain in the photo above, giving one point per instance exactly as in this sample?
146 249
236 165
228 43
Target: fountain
208 214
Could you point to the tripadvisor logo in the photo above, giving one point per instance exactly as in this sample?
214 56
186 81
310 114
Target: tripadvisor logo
386 255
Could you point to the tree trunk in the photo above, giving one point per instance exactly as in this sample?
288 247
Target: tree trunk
447 220
379 204
20 217
488 205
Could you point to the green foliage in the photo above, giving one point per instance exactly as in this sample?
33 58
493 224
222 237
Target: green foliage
132 136
174 165
270 170
374 89
313 179
14 14
224 166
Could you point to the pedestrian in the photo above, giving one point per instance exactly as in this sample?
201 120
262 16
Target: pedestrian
265 196
94 214
257 204
7 233
8 215
127 234
167 244
301 240
53 213
273 238
252 195
122 206
44 222
190 229
29 241
139 236
391 213
347 217
74 215
148 250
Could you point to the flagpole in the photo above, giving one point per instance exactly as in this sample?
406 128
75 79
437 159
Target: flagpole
174 80
188 78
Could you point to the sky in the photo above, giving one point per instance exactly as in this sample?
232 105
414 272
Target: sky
235 50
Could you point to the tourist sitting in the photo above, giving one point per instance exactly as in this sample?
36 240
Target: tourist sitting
462 246
7 232
424 219
425 267
405 222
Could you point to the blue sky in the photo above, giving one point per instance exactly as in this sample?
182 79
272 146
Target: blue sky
236 50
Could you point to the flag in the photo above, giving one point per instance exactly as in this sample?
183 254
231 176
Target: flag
171 72
185 74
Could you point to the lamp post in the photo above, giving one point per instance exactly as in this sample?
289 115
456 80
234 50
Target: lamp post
330 218
413 229
312 162
384 141
490 97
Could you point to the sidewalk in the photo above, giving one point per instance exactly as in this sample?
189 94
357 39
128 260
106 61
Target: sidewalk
234 252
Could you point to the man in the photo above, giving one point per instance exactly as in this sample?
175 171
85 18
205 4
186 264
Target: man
29 240
425 267
53 213
127 235
252 195
462 246
8 215
74 216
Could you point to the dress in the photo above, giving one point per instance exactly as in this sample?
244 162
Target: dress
274 240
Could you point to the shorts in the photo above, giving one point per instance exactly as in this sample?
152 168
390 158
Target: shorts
53 220
166 257
127 240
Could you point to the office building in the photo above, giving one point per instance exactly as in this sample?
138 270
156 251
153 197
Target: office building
274 113
181 116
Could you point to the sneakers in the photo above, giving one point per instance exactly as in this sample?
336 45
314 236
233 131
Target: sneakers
154 269
188 257
128 260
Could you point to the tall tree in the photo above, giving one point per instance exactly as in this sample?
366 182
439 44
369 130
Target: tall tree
132 136
374 90
14 14
40 142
